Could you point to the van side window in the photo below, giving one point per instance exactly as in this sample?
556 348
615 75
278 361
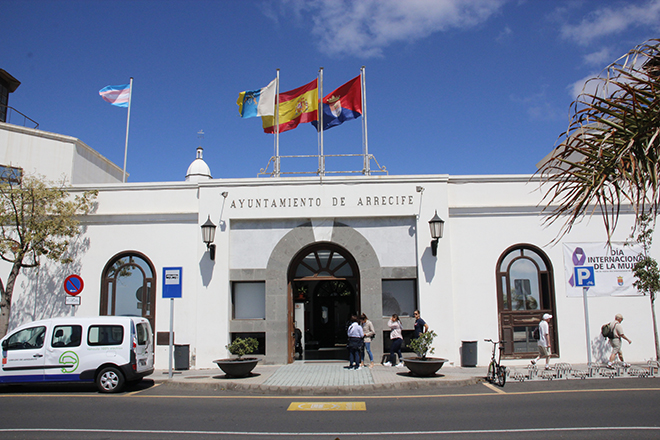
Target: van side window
105 335
142 334
66 336
26 339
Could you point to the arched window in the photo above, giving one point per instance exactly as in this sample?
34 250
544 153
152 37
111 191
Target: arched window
129 287
525 292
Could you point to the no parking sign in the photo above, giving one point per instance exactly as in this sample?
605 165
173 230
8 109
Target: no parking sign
73 285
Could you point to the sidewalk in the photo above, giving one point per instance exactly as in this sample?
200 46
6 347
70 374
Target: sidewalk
331 378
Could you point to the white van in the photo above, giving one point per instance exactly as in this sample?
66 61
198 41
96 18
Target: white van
108 350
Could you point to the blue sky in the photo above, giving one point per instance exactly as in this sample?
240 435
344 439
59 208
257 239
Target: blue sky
453 86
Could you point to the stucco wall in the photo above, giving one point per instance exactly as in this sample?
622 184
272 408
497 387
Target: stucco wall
457 291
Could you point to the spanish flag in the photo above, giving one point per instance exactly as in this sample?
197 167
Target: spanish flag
297 106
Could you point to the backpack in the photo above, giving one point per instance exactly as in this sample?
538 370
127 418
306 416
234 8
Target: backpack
607 331
536 334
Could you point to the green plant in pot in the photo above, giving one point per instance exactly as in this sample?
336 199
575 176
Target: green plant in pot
422 344
239 366
423 365
242 346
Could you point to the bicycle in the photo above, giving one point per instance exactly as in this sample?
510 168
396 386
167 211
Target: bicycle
496 372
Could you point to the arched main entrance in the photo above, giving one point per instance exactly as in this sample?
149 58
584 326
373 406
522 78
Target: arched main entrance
324 285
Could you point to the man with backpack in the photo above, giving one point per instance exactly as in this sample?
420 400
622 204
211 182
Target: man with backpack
544 341
615 336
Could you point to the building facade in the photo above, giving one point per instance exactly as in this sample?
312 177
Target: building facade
306 253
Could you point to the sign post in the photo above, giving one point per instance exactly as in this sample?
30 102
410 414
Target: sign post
172 289
585 278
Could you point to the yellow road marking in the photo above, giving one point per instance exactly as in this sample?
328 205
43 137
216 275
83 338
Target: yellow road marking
327 406
133 393
494 388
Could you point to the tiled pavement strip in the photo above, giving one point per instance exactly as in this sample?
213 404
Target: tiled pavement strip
332 378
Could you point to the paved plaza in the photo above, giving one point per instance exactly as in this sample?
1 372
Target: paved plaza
332 378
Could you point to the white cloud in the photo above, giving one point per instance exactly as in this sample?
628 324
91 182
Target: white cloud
583 86
365 27
601 58
505 34
607 20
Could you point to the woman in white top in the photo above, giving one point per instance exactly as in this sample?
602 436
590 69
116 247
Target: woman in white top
355 335
369 333
396 340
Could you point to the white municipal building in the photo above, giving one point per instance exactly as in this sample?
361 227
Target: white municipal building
307 252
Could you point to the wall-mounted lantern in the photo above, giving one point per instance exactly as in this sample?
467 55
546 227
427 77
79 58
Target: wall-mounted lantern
208 235
437 226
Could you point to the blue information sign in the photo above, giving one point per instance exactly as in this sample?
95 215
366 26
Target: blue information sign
172 282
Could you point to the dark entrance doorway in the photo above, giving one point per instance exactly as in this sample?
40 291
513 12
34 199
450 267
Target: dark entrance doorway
324 285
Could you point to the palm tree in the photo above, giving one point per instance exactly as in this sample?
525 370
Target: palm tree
609 154
608 157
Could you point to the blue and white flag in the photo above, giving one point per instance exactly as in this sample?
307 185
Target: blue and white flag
261 102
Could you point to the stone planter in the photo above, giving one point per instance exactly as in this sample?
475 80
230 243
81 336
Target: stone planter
237 367
423 367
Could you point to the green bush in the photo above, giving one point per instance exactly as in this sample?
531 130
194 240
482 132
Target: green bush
422 345
242 346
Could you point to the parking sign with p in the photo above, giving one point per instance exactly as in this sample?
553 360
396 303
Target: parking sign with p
584 276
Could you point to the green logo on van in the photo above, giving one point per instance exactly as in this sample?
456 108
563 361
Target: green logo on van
70 360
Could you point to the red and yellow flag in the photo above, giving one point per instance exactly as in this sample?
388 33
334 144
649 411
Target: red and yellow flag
297 106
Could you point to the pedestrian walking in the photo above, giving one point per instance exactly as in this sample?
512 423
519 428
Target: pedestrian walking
615 341
396 341
369 334
355 336
420 325
544 341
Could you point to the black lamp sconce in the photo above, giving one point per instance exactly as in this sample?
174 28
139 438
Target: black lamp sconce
437 226
208 235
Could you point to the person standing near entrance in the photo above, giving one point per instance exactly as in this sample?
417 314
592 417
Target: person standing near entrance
616 331
544 341
355 336
420 325
396 340
369 333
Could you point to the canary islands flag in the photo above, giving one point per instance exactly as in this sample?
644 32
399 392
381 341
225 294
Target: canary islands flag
116 95
342 104
261 102
297 106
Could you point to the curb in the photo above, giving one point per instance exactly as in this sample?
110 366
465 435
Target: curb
319 390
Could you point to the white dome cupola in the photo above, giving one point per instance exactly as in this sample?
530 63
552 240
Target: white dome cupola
198 169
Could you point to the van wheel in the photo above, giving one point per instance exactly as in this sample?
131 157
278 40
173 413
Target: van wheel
110 380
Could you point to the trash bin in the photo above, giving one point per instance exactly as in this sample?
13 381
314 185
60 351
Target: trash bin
469 354
182 357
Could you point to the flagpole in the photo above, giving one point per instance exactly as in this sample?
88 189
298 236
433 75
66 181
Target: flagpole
365 138
320 118
277 125
128 120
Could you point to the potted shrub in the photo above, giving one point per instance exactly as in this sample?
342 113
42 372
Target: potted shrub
239 366
423 365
